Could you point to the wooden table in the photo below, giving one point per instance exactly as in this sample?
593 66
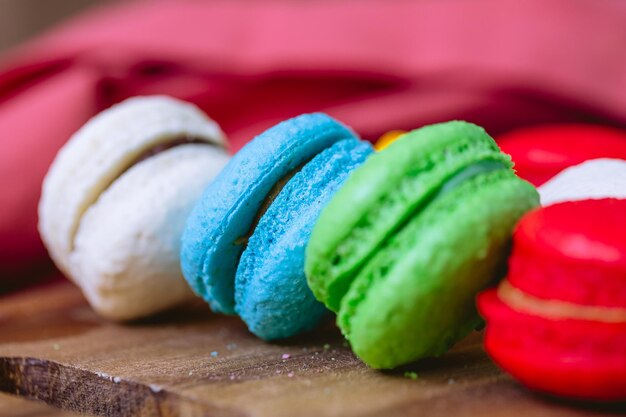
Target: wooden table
192 363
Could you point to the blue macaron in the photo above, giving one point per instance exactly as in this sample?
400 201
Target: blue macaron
243 245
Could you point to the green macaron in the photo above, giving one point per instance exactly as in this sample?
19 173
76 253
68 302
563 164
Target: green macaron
402 249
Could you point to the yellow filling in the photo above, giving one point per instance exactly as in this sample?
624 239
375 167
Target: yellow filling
522 302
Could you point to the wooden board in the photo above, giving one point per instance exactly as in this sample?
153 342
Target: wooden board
193 363
14 406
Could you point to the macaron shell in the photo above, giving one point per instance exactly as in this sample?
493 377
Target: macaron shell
271 292
574 252
595 179
127 245
572 358
415 298
382 194
225 213
540 152
102 150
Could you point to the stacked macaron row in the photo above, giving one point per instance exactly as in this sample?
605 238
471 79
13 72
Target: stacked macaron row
305 216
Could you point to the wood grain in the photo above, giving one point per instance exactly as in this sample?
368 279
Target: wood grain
192 363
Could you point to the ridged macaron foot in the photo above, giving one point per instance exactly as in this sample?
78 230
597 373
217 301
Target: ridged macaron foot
558 322
116 197
244 241
415 232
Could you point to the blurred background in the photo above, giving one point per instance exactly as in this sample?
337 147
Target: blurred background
507 65
22 19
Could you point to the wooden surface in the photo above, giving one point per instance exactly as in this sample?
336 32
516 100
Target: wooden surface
54 349
14 406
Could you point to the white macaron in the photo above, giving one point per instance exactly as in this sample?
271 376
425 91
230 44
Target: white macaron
594 179
116 197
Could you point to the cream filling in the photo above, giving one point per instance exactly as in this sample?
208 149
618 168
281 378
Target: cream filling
146 154
522 302
265 205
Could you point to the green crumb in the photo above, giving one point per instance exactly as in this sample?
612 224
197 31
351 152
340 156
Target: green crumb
411 375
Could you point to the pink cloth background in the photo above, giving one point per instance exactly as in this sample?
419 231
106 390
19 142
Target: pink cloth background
374 65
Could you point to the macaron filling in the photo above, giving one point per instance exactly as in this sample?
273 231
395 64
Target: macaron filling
523 302
266 203
467 173
461 176
150 152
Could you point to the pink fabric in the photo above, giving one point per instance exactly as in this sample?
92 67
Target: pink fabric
375 65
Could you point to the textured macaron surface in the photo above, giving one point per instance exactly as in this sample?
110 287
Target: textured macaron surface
412 236
381 196
104 148
214 236
415 298
126 252
578 245
271 292
561 356
115 199
558 322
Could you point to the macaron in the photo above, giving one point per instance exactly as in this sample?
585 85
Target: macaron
541 152
594 179
412 236
558 322
243 244
115 200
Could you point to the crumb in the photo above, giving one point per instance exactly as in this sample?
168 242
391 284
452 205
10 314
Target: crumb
278 371
56 346
286 356
326 346
451 381
290 374
231 346
232 377
332 359
117 379
190 373
411 375
214 354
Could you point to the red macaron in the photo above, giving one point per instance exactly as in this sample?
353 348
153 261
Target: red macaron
557 323
541 152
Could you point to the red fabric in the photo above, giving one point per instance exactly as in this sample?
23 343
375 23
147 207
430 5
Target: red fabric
375 65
